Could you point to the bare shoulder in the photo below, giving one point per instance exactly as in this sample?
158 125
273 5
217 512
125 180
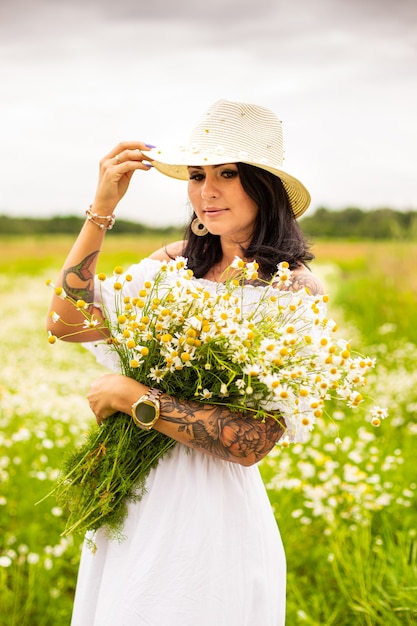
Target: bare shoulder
302 278
169 251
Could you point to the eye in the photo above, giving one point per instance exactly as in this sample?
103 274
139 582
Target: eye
230 173
196 176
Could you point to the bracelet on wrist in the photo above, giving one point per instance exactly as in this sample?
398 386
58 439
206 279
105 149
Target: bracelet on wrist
93 217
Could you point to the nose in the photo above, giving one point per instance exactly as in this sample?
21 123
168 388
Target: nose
209 189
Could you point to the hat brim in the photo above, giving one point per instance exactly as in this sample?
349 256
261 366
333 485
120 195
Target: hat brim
176 166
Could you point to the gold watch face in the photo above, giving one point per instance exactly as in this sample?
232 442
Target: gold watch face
145 412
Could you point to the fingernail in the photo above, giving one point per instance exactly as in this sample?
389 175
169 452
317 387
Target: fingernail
149 145
147 164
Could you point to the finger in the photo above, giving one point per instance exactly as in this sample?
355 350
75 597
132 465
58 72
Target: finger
128 145
101 416
132 158
99 413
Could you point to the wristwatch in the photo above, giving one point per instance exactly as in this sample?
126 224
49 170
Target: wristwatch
145 411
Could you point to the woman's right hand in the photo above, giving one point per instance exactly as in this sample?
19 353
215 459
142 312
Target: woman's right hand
116 171
113 392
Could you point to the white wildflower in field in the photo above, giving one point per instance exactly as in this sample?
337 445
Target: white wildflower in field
310 486
33 558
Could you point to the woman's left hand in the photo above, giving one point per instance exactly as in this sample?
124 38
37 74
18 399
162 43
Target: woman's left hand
111 393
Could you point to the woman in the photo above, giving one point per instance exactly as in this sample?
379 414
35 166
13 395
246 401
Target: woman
202 546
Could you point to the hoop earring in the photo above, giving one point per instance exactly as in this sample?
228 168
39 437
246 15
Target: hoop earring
198 228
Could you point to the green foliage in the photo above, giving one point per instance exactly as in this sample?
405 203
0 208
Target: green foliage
106 472
70 224
353 223
377 292
350 223
346 513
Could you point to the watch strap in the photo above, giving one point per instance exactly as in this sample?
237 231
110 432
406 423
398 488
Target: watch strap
154 394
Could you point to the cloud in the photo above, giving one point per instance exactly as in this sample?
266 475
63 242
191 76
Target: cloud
161 10
77 77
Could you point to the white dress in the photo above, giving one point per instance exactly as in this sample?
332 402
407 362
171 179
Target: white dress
202 547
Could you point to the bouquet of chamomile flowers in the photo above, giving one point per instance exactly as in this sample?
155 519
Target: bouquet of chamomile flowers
253 346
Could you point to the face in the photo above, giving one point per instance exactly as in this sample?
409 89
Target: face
220 202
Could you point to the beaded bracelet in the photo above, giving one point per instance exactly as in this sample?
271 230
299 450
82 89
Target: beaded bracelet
92 217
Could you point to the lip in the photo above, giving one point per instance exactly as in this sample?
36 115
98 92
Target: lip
213 211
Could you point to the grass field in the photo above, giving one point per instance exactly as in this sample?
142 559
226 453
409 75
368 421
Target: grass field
347 512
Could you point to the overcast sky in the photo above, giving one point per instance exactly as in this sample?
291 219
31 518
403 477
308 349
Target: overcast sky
78 76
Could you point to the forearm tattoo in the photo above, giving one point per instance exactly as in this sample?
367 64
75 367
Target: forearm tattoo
214 429
84 274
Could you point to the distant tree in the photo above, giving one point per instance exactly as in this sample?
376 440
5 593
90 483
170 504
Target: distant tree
354 223
71 225
349 223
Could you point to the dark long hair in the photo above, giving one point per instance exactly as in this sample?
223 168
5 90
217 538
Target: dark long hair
277 235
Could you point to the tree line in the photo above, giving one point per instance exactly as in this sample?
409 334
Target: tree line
69 225
354 223
350 223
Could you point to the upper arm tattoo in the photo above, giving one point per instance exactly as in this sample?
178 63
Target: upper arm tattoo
306 281
83 272
214 429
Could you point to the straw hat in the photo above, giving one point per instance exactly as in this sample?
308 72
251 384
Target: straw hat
232 132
